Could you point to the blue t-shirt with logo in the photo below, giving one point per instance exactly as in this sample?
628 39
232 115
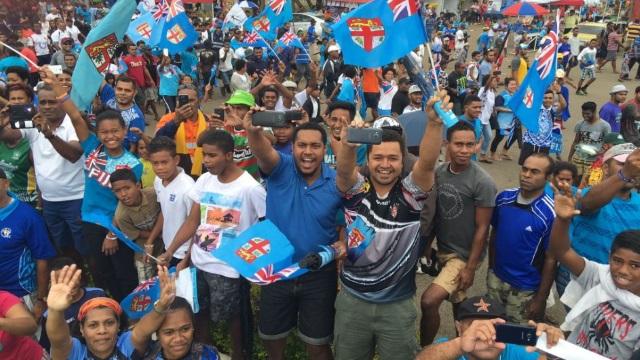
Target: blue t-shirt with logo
98 197
23 240
592 233
522 237
510 352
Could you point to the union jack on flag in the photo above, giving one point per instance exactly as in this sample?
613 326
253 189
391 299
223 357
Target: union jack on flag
251 37
266 276
277 6
403 8
146 285
159 10
288 37
547 54
175 8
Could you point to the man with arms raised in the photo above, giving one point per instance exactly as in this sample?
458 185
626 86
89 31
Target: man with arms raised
302 202
376 306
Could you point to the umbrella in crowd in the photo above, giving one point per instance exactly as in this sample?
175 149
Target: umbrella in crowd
525 9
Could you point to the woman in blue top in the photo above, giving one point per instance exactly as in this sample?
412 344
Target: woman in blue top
99 320
175 337
169 75
111 266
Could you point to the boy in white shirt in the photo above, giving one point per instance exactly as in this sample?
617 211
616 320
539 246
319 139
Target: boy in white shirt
226 201
172 186
605 299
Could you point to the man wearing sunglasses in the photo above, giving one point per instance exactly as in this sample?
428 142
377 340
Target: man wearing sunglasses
66 49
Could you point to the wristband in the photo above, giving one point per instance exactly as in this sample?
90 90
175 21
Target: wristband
625 179
111 237
63 99
155 308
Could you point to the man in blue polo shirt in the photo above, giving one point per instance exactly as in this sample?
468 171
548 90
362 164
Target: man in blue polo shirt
520 274
24 250
302 201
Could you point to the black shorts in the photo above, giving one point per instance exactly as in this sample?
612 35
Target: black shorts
528 149
372 99
306 302
218 294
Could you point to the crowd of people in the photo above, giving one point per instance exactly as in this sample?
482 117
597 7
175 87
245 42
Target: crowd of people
179 181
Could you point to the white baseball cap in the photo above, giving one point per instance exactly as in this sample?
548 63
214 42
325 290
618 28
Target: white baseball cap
560 73
414 89
334 48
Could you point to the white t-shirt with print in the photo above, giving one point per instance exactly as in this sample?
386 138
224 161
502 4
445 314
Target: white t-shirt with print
226 210
40 44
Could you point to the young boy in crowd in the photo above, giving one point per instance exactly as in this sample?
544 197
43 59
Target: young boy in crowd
172 186
283 137
137 216
226 201
590 134
604 298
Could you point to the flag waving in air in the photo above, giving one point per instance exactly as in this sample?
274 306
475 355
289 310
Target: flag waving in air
377 33
97 52
235 17
174 31
141 28
527 101
251 39
290 39
275 14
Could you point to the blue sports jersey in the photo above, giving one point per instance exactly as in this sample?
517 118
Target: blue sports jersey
23 240
522 237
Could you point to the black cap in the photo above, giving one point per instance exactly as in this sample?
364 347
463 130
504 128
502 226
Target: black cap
3 175
481 307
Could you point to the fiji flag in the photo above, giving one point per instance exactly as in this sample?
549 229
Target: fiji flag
279 12
140 29
174 32
141 300
526 102
291 39
106 222
380 32
262 25
251 39
97 52
262 254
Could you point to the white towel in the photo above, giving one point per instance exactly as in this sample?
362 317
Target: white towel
581 300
